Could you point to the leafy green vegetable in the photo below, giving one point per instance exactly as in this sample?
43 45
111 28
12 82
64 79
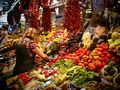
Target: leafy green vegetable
62 65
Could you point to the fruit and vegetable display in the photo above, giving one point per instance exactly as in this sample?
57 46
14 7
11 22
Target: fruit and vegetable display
62 73
94 60
51 43
73 43
7 67
70 66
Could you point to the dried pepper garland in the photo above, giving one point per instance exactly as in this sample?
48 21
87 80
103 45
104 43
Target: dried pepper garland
46 19
71 16
44 3
34 14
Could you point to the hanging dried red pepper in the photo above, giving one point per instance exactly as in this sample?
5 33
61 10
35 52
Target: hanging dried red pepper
71 16
44 3
34 14
46 19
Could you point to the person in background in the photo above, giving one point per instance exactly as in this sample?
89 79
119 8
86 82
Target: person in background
93 22
13 15
115 17
101 33
102 28
90 30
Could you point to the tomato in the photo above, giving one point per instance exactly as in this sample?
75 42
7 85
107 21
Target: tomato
99 53
98 63
90 60
105 52
85 63
103 64
108 55
76 61
50 63
102 55
45 72
80 64
101 59
24 77
84 59
98 49
64 85
92 66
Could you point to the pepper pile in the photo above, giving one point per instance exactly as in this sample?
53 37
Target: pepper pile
94 60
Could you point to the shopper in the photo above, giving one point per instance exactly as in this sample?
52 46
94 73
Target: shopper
26 50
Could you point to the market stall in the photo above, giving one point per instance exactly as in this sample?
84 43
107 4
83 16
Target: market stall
73 63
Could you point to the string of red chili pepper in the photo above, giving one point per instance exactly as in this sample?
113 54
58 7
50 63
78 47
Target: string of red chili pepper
71 16
46 19
46 15
34 14
44 3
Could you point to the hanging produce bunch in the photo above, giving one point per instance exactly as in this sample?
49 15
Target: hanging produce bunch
46 18
34 14
71 16
44 3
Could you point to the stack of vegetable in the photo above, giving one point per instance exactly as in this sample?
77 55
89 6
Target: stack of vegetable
114 43
94 60
72 73
50 43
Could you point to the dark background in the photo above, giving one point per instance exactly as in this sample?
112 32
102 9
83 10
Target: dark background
1 2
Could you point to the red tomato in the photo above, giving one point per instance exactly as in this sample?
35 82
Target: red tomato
105 52
80 64
92 66
45 72
98 49
98 63
103 64
99 53
85 63
90 60
108 55
76 61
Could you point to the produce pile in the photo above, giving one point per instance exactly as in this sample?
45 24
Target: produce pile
114 43
7 67
51 42
94 60
78 67
62 73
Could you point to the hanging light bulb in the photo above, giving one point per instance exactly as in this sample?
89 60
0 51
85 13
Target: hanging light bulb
57 11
